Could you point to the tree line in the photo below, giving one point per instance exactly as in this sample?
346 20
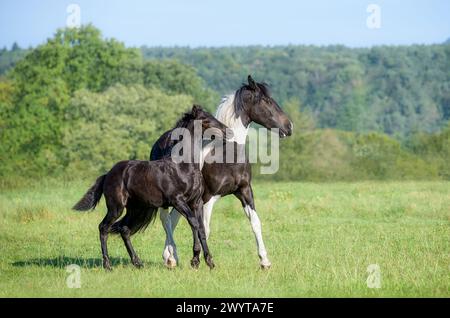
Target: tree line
397 90
79 102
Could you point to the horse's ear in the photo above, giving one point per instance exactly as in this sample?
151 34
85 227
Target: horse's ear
252 83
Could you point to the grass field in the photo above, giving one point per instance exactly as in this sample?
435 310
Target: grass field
320 237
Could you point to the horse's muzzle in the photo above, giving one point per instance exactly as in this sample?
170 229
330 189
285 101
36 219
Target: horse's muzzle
286 131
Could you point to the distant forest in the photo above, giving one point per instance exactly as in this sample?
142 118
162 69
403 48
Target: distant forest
79 102
392 89
395 90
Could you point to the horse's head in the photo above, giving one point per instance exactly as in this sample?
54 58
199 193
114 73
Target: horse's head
254 103
208 121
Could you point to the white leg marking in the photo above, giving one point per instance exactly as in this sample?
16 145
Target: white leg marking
169 254
207 211
256 227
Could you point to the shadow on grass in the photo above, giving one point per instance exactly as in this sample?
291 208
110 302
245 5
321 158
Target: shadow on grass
63 261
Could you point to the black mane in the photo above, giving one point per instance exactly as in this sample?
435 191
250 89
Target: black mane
163 146
196 112
184 121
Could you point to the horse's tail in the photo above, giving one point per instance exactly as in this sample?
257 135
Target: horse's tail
92 196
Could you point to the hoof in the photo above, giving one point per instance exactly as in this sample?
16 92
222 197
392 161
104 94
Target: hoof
107 266
265 265
195 263
138 263
210 263
170 263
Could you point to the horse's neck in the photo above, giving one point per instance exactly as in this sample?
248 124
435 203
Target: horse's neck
240 132
206 149
227 115
201 155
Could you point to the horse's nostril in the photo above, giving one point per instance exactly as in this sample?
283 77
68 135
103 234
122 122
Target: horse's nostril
291 128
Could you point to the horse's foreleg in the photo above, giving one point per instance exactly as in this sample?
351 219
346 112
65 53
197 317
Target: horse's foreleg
199 213
169 221
245 195
207 212
193 217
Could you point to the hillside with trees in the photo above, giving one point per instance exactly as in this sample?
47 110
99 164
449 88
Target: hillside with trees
79 90
79 102
8 58
395 90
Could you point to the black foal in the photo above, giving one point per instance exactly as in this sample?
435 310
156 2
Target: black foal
144 186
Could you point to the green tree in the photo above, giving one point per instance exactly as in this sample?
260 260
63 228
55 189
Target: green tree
395 90
117 124
176 78
34 121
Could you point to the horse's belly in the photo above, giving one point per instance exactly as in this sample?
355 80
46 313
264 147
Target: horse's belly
223 178
149 195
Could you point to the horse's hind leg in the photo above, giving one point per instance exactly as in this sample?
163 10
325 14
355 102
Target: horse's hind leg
125 232
138 217
104 227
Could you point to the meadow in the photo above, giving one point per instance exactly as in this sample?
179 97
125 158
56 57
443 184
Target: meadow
321 238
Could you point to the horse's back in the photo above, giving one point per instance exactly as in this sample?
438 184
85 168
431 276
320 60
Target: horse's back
158 182
143 182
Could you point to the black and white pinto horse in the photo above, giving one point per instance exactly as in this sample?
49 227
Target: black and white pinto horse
250 103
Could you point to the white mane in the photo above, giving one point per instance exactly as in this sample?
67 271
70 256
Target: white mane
227 115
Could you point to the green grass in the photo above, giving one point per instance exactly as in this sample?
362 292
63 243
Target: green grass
320 238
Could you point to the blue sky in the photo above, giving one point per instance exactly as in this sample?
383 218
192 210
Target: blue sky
232 22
